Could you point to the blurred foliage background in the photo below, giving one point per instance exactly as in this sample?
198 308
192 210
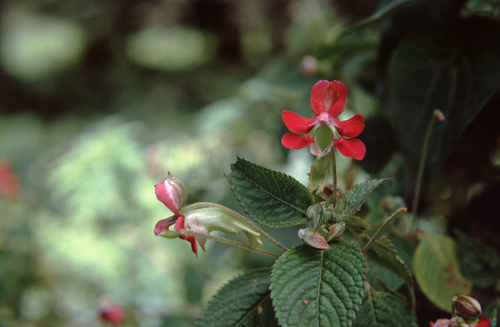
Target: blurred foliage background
98 99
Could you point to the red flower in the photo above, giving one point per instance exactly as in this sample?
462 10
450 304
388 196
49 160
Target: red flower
173 195
325 130
9 182
483 322
112 312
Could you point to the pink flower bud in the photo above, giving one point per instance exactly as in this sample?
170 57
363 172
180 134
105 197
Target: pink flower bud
172 193
314 239
336 231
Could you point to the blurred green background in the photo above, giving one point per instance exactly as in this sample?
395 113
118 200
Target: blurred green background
99 99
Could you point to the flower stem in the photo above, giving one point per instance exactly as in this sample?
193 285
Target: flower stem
382 228
334 172
333 198
437 114
228 241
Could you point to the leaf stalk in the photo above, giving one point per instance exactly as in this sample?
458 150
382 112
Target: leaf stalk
379 231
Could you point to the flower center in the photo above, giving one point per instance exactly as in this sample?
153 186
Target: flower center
324 135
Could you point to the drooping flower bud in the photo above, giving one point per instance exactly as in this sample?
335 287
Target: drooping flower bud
468 308
335 232
204 217
315 239
172 193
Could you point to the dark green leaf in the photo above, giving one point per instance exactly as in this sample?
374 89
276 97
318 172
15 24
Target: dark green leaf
244 301
385 254
385 310
271 198
352 200
392 280
454 68
478 263
318 288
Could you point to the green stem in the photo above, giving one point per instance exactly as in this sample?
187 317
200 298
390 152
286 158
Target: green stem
437 114
333 197
334 172
379 231
228 241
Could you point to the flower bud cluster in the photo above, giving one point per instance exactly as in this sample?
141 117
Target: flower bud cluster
325 232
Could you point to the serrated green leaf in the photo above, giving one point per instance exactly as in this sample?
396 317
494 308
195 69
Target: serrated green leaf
244 301
478 263
318 288
385 310
271 198
352 200
435 69
385 254
377 272
437 271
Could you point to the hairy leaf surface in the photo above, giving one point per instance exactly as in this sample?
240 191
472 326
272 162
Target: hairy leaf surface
244 301
318 288
271 198
385 310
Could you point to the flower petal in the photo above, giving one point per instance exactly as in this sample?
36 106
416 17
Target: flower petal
180 223
483 322
351 127
352 148
192 240
164 224
340 94
316 151
172 193
296 123
294 141
328 97
179 226
321 97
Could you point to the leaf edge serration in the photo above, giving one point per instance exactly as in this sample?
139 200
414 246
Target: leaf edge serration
283 310
248 211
